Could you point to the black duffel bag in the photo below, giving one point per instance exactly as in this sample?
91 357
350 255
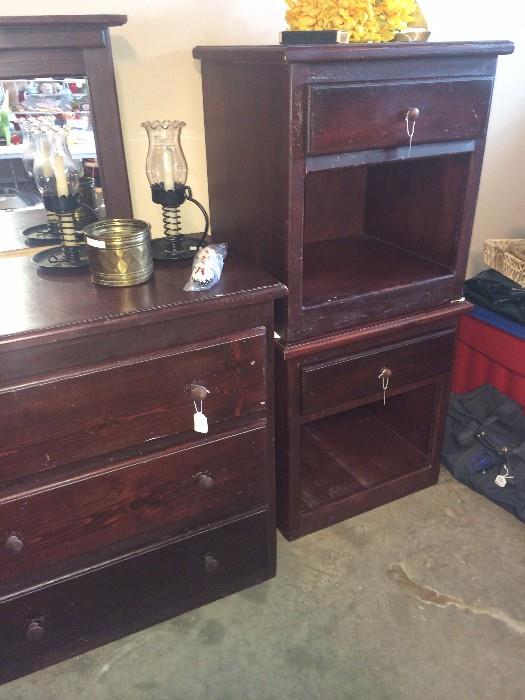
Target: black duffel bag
497 293
484 446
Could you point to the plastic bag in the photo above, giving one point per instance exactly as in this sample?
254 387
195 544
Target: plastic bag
207 267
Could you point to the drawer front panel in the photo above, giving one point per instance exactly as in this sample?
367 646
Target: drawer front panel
83 415
184 489
358 117
346 379
70 617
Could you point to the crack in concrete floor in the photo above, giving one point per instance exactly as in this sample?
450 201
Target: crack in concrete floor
426 594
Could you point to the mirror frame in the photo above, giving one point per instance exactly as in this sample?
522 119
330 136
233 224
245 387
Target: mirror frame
70 46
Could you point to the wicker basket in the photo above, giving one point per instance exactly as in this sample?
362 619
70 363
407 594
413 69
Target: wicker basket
498 256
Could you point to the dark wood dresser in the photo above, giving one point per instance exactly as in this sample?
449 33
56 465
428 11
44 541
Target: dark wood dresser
114 513
351 174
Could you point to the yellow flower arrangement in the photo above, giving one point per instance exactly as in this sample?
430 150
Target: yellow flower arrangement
365 20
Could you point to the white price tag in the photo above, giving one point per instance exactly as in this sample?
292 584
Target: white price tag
200 422
95 243
500 481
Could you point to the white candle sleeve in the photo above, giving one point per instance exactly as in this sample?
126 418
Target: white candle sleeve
47 170
167 162
60 176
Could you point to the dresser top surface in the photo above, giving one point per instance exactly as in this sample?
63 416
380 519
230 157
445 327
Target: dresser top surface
33 301
351 52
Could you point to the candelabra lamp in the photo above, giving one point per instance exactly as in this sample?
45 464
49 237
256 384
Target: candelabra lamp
40 234
167 172
57 179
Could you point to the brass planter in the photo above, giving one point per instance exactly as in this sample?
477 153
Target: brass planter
119 252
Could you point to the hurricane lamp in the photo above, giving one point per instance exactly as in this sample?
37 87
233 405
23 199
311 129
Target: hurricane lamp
167 173
56 176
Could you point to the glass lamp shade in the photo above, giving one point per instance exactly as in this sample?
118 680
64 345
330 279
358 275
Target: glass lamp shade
54 170
166 166
30 137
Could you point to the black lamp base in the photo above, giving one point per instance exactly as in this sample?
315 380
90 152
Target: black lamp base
186 247
55 259
41 234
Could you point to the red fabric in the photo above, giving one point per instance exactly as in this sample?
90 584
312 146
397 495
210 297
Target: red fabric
488 355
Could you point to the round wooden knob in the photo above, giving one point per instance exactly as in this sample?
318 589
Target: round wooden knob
13 544
205 481
210 563
386 373
34 631
413 113
198 392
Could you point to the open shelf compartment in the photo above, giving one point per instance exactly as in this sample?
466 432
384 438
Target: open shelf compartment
343 456
370 229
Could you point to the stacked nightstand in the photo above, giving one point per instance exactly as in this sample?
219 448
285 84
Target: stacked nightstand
351 174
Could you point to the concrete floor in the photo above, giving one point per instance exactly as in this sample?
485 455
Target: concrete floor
423 599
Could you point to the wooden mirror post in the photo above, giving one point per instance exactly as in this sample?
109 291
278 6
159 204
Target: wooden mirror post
75 45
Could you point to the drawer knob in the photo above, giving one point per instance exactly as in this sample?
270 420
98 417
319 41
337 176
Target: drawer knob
198 392
13 544
205 481
385 373
412 113
34 631
210 563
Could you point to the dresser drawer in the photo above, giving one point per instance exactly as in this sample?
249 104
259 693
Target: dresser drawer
41 626
183 489
362 116
102 409
346 379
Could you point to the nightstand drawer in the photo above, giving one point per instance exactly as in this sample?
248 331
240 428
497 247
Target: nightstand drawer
346 379
130 593
362 116
99 410
183 489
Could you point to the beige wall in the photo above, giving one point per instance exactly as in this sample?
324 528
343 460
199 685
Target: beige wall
158 79
501 204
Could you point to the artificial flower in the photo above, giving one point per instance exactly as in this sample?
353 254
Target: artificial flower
365 20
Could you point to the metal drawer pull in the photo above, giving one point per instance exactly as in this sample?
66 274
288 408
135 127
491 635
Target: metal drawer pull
205 481
413 114
34 631
210 563
384 376
199 392
13 544
410 121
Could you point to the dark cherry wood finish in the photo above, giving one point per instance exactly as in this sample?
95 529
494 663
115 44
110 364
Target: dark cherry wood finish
356 170
216 480
103 409
103 479
343 117
333 383
75 45
377 241
340 449
84 609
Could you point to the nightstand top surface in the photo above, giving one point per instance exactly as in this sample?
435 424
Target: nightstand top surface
351 52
